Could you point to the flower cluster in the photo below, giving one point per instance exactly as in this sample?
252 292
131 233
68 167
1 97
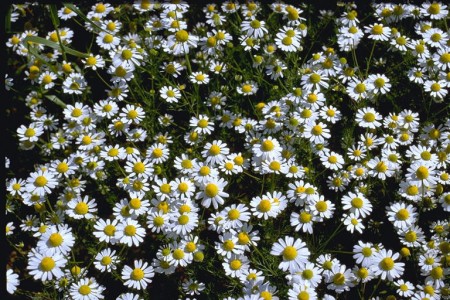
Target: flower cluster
235 147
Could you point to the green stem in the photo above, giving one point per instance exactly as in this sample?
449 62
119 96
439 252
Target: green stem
370 58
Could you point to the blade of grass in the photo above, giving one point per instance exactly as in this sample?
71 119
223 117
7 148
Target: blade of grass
56 100
55 21
81 15
8 20
40 40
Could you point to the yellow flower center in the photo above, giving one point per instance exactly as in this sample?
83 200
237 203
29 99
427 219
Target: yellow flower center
321 206
84 290
228 245
317 130
137 274
307 274
243 238
275 166
246 88
182 36
377 29
108 38
139 167
47 264
357 202
360 88
109 230
183 187
55 239
264 205
100 8
130 230
332 159
214 150
81 208
233 214
106 260
435 87
387 264
402 214
158 221
314 78
434 9
235 264
339 279
437 273
305 217
289 253
183 219
135 203
287 41
40 181
422 172
303 295
211 190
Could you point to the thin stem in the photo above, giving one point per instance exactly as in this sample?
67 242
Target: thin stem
370 58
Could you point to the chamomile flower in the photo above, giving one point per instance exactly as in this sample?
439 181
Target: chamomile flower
215 152
436 88
235 216
75 83
182 188
138 276
339 278
235 265
199 78
378 32
401 215
56 239
202 124
86 289
43 266
180 42
136 167
332 160
303 221
293 251
321 208
183 223
178 257
130 232
12 281
404 288
228 245
106 260
106 231
247 88
47 79
94 62
30 133
41 182
387 267
435 10
212 192
420 173
170 94
352 223
82 208
263 207
317 133
158 153
357 203
367 117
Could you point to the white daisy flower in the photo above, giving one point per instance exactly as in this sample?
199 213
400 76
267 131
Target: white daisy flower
139 276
